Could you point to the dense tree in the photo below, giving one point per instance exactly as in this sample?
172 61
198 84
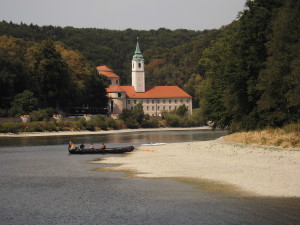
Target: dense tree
24 103
12 75
95 92
247 76
49 74
280 81
233 64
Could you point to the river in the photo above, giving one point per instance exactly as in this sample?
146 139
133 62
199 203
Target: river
42 184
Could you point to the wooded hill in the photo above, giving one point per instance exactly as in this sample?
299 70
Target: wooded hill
245 75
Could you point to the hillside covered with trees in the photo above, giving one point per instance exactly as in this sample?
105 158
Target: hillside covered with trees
245 75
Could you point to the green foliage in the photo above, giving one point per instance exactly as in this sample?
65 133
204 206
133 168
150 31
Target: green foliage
50 77
150 122
249 69
279 82
181 118
42 114
95 92
24 103
249 79
129 119
138 113
181 111
58 77
174 120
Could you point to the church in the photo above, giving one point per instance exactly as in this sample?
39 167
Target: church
154 99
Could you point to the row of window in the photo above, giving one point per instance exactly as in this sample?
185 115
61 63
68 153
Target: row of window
147 108
158 101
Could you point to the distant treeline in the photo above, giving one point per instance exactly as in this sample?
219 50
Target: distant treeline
245 75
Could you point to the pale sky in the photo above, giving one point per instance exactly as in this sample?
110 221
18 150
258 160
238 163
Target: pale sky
123 14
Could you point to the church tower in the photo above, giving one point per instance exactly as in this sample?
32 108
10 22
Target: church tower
138 73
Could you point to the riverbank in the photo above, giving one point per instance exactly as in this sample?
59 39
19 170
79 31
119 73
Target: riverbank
70 133
286 137
217 165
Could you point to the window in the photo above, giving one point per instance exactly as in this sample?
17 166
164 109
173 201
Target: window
134 101
158 107
140 65
158 101
128 101
187 100
181 101
170 101
164 101
111 106
119 95
147 101
152 101
175 100
152 108
147 107
132 65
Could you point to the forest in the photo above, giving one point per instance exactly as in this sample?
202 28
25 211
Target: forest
243 76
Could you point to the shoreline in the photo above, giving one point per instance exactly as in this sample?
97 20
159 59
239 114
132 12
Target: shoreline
70 133
216 166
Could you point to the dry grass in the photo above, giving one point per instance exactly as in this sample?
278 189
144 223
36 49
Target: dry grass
280 137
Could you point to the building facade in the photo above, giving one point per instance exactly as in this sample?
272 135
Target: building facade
154 99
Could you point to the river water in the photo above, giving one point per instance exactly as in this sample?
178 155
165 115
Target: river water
41 184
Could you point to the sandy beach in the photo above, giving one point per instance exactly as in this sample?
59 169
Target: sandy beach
217 165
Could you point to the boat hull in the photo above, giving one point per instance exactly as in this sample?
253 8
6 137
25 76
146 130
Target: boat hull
117 150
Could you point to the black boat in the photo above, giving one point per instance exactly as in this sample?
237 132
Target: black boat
116 150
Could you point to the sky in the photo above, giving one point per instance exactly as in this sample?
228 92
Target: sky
123 14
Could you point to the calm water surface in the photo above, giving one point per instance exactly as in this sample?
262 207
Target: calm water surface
41 184
132 138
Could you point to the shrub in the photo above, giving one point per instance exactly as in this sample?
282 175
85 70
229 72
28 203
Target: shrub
10 127
151 123
111 123
90 126
173 120
293 127
42 114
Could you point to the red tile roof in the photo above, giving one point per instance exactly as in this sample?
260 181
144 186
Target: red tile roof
104 70
114 89
151 92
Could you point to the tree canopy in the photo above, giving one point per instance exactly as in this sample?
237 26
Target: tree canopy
245 75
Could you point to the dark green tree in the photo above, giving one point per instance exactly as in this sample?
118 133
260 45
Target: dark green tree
138 113
95 91
24 103
280 81
50 77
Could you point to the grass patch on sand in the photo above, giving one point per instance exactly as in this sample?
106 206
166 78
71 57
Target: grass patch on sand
286 137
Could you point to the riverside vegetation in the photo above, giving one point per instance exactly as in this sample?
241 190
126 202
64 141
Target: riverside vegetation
243 76
43 122
286 137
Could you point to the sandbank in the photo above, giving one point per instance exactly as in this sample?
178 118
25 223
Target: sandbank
70 133
251 170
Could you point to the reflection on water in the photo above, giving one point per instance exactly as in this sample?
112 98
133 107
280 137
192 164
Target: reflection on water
133 138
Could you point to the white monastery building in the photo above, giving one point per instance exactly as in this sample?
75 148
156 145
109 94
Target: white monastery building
154 99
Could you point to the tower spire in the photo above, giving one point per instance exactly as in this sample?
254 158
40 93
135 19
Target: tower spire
138 73
137 54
